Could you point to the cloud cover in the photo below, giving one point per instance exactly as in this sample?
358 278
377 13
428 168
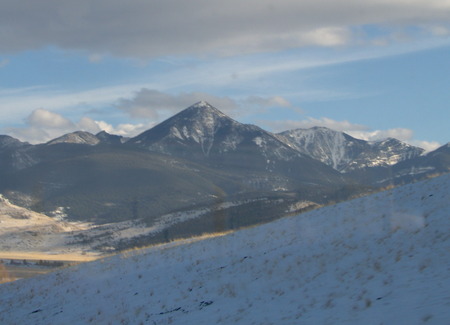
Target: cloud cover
160 27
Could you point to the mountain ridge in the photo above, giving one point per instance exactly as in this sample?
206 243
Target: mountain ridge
196 159
203 129
346 153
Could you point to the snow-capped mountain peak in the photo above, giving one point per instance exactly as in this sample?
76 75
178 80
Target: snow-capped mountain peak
203 105
204 129
196 125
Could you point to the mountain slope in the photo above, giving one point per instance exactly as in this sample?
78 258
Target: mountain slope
14 155
108 184
378 259
9 142
345 153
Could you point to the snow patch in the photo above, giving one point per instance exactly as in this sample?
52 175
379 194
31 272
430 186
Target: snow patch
259 141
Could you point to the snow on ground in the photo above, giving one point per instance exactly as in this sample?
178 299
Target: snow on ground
381 259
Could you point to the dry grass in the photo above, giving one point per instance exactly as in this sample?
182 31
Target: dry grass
4 275
36 256
177 242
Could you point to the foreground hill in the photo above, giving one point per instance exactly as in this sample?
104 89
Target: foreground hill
381 259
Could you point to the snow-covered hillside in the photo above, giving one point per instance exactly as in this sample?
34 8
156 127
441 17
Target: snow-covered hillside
382 259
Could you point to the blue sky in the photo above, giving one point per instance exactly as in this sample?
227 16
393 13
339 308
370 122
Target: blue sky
372 69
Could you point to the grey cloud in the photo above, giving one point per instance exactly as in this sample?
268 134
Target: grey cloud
153 104
267 101
164 27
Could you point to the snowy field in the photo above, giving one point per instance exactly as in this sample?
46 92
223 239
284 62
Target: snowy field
382 259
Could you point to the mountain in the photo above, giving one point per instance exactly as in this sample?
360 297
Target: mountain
79 137
203 134
202 131
410 170
439 159
380 259
389 152
336 149
105 137
7 142
83 137
345 153
14 155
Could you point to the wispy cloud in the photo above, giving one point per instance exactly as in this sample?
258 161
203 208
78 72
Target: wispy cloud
272 101
216 76
16 104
